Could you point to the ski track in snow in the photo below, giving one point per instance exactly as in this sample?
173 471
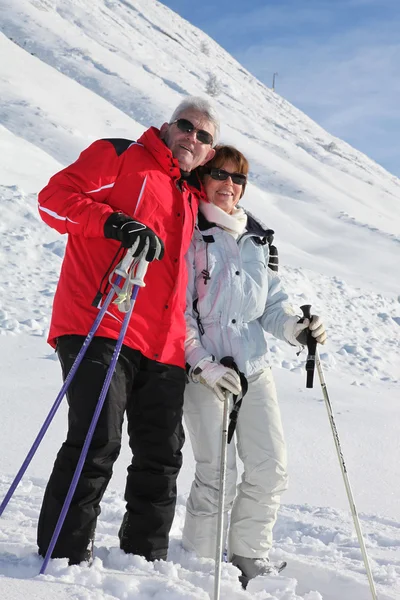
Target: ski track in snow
318 544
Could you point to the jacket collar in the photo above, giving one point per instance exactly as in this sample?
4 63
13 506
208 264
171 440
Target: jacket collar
202 223
253 228
154 144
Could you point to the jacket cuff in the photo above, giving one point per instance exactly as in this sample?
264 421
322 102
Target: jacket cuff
195 370
288 331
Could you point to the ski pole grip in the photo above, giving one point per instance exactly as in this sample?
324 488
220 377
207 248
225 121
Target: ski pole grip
306 310
141 272
227 361
311 348
125 263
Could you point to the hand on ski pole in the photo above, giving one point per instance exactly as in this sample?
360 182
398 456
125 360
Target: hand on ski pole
296 330
315 325
218 378
134 235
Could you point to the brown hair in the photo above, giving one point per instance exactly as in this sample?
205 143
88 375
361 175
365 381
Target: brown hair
224 153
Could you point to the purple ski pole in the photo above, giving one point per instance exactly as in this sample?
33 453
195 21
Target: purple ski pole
57 402
125 264
93 423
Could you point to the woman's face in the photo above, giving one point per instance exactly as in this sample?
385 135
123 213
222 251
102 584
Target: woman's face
224 194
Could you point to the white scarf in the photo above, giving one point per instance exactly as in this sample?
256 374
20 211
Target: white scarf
234 223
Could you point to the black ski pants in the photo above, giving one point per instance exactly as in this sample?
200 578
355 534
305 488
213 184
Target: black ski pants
151 395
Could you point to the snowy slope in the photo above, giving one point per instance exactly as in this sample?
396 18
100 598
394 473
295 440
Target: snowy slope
73 71
314 532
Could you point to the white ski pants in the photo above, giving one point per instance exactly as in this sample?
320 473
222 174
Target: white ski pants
261 447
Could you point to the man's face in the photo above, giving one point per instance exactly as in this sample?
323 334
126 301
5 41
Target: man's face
185 146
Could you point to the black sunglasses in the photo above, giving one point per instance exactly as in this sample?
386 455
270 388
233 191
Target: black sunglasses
221 175
187 127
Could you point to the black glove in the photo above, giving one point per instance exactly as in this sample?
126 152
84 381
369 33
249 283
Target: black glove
133 234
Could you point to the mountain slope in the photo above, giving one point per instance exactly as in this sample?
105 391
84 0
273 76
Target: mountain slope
141 58
76 71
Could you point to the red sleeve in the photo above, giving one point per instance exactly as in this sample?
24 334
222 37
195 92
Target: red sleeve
74 200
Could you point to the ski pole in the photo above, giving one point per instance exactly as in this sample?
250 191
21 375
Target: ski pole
228 428
121 269
141 271
307 314
221 498
57 402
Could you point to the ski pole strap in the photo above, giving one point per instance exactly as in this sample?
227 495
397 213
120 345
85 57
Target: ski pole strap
310 363
228 361
311 348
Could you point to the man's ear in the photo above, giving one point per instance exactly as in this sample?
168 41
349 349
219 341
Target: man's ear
163 130
209 156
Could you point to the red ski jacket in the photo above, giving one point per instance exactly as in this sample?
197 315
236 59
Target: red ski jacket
108 177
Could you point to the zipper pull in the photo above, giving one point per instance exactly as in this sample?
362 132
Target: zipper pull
206 276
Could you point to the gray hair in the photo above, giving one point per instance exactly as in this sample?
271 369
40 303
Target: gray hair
202 105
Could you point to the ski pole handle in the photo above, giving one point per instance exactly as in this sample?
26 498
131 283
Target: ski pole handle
306 310
123 267
311 348
141 272
228 361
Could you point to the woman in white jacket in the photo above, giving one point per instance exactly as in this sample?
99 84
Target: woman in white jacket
233 299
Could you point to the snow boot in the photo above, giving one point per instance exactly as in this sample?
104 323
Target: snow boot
253 567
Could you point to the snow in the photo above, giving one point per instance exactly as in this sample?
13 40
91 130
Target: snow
78 71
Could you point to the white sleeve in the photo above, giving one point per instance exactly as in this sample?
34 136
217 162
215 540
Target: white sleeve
277 308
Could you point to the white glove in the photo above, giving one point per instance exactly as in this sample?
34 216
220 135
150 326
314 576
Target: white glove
295 333
217 378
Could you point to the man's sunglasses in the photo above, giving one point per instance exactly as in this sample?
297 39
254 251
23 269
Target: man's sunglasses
187 127
221 175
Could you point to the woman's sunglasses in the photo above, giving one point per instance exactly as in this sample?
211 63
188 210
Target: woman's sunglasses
187 127
221 175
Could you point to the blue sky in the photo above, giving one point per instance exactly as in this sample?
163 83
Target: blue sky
337 60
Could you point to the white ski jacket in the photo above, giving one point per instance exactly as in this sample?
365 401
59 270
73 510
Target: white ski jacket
233 298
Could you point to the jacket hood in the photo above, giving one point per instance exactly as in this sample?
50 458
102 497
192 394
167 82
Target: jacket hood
154 144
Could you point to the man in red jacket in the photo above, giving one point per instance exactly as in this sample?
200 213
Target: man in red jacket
125 193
